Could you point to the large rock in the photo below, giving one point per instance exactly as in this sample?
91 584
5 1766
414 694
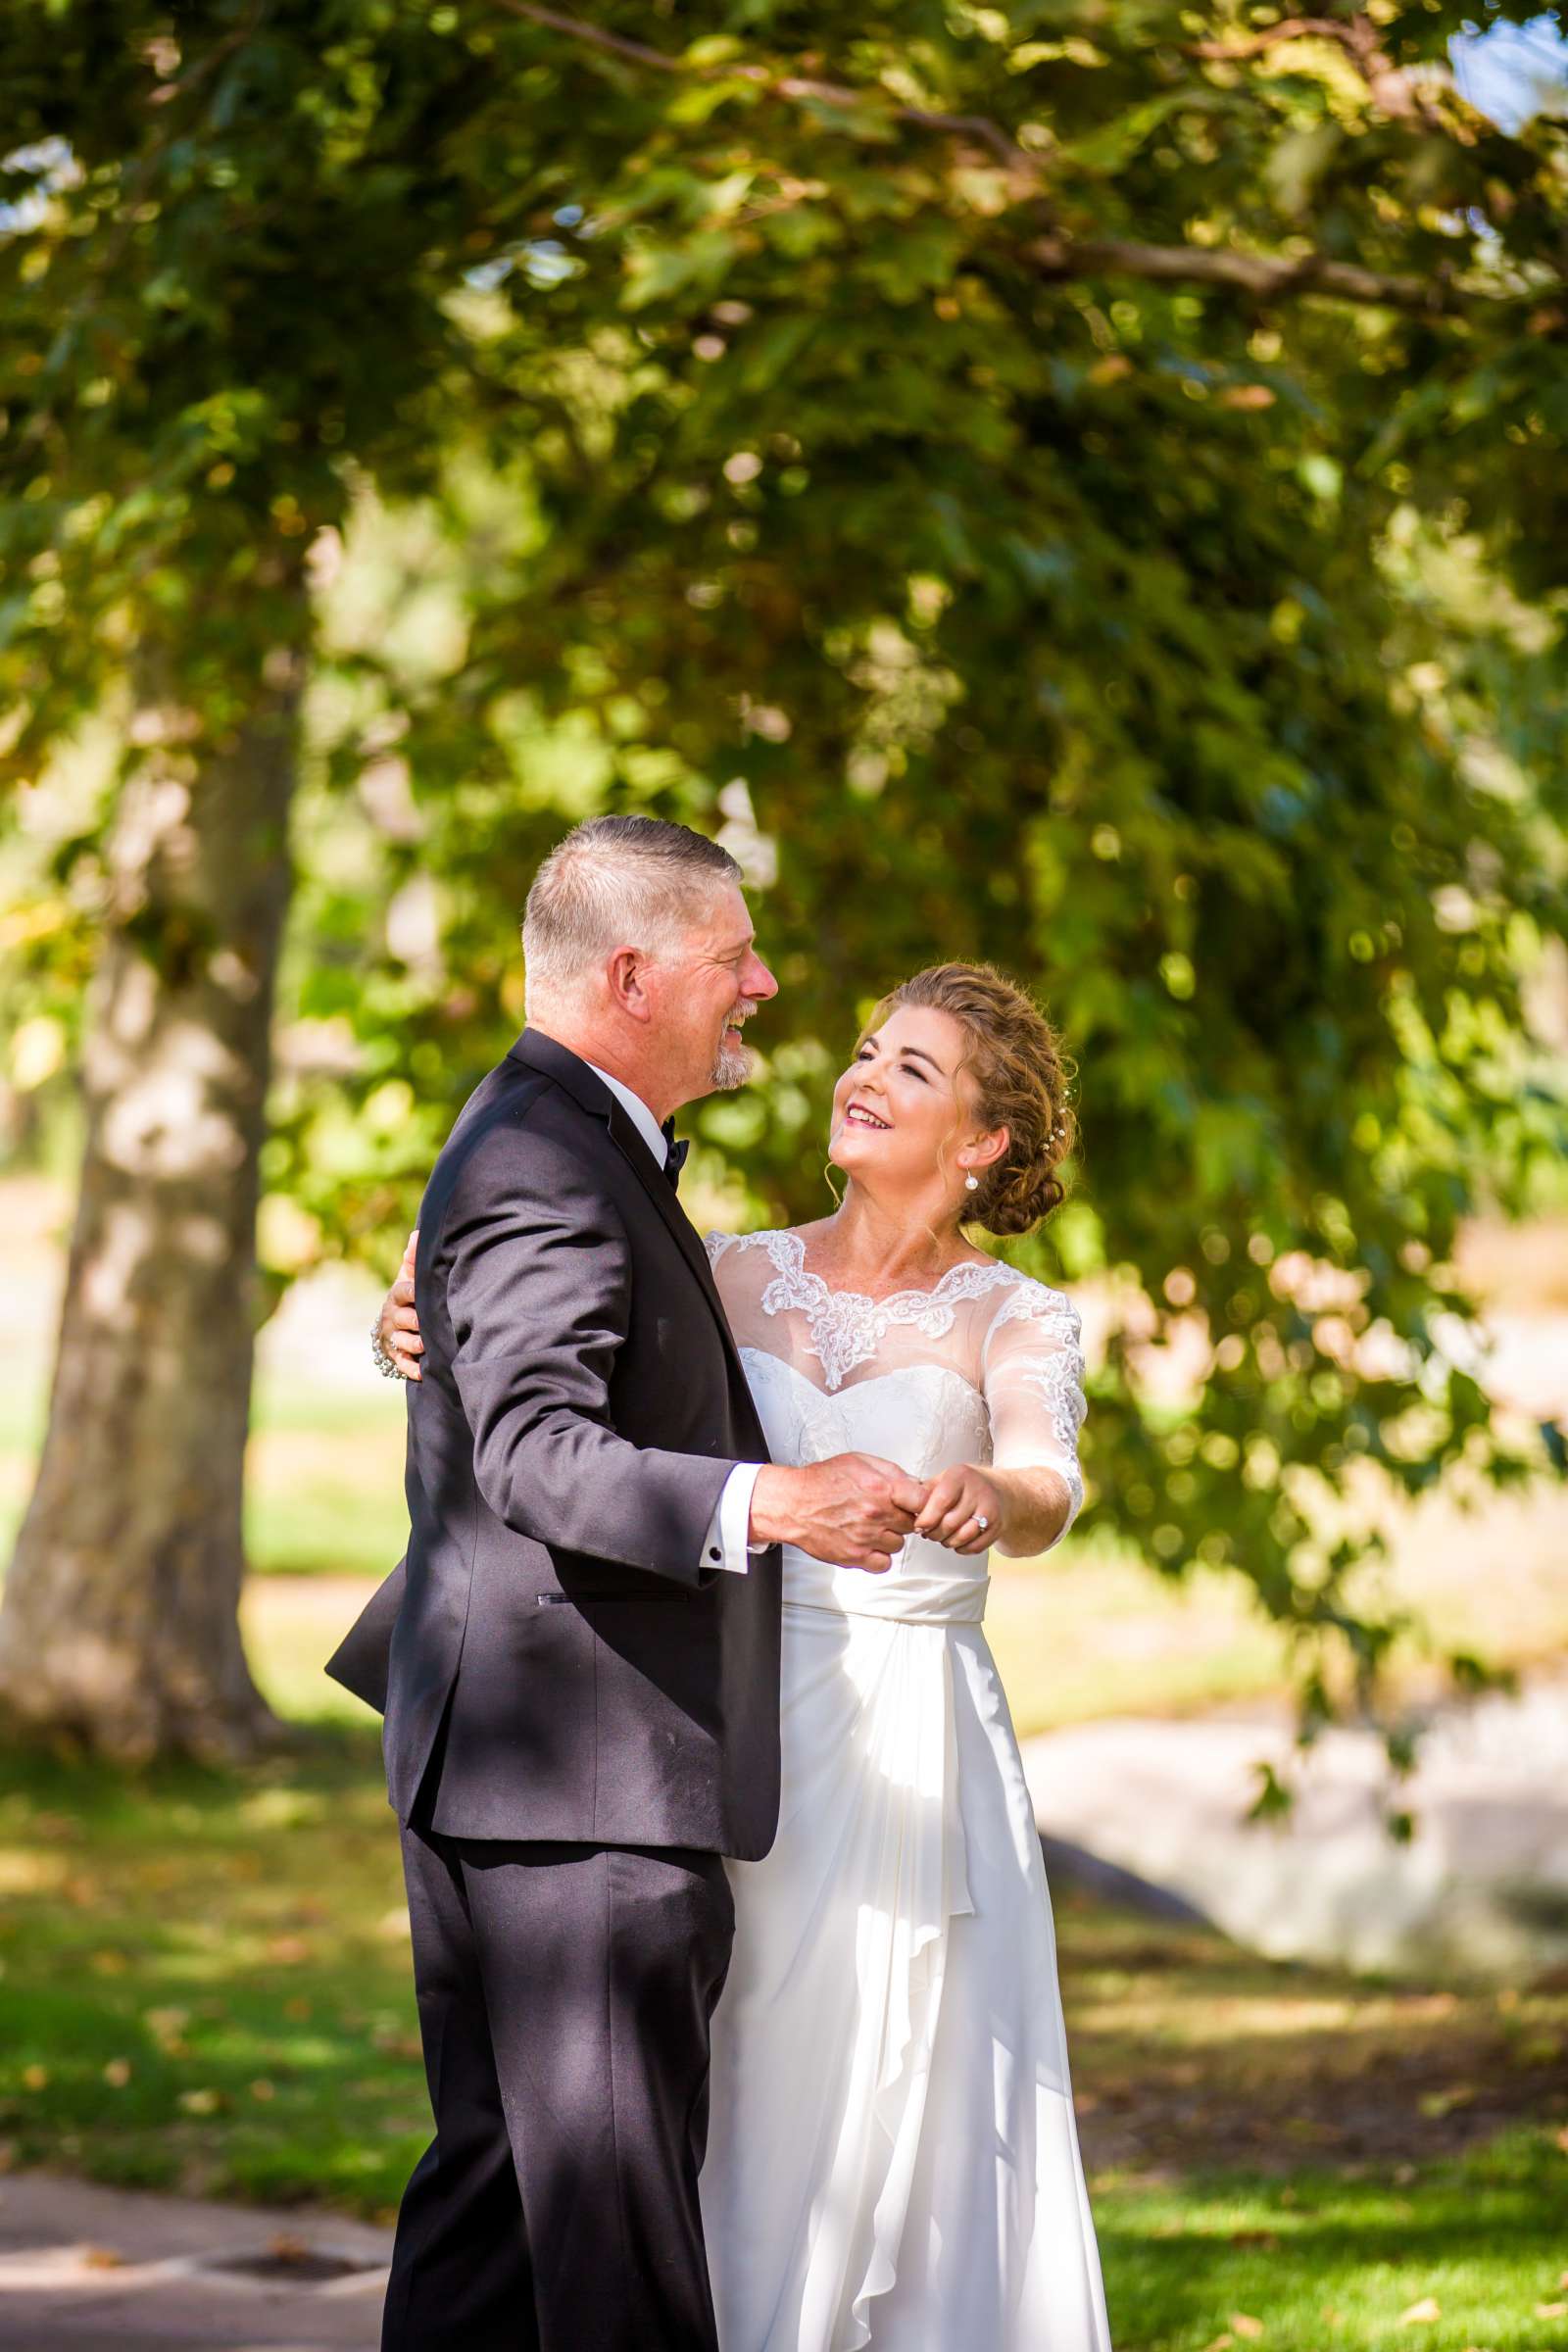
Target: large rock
1481 1888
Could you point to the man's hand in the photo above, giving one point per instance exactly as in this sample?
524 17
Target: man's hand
853 1510
398 1326
957 1503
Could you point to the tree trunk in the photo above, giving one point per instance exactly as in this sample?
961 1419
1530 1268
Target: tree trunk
120 1626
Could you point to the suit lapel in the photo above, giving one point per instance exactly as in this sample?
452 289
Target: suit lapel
570 1071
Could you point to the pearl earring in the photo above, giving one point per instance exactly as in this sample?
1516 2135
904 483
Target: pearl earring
971 1184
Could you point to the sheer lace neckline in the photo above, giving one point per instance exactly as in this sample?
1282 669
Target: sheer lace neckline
848 1327
792 1253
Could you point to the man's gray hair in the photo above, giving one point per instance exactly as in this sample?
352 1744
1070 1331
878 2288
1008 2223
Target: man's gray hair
615 882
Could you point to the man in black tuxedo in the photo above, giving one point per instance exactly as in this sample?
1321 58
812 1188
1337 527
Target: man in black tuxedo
578 1660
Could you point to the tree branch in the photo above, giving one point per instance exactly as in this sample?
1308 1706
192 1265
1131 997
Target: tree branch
1258 274
1393 88
793 88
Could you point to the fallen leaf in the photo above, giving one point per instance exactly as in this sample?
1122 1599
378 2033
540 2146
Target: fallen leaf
1419 2315
1551 2311
1221 2343
200 2102
102 2258
393 2043
1266 2238
1244 2325
117 2074
263 2089
35 2077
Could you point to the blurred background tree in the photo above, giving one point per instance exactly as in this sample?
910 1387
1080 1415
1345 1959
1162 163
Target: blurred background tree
1050 485
225 273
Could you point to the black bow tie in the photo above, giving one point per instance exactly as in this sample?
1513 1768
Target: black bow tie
674 1153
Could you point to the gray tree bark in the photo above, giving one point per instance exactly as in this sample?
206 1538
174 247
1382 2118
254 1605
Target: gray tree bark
120 1625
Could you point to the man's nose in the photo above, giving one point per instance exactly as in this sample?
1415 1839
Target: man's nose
760 981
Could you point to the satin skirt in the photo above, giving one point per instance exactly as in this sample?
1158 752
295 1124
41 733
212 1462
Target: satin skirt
892 2156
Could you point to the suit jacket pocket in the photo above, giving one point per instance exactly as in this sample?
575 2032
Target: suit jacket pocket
589 1600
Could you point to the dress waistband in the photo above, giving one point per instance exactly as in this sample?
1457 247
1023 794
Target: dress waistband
925 1586
896 1598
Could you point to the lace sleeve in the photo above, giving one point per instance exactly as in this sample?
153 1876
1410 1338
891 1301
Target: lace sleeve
1032 1375
740 1267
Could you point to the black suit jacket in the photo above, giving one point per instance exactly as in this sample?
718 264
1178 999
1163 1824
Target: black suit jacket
555 1658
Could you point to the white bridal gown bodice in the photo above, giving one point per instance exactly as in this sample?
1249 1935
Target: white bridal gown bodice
891 2155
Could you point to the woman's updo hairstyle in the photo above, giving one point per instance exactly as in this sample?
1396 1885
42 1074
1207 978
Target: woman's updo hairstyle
1016 1059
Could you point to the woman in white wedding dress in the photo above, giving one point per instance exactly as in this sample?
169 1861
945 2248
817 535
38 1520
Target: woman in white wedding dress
892 2156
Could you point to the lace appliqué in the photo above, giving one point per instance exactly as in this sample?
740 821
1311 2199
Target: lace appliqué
848 1328
1056 1379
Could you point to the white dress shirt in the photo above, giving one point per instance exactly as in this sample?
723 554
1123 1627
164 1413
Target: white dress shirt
725 1544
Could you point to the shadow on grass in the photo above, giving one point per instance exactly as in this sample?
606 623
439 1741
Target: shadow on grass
1323 2263
206 1975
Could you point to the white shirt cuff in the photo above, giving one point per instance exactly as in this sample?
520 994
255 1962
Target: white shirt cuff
726 1544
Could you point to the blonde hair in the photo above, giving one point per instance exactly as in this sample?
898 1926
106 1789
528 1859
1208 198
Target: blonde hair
613 882
1022 1075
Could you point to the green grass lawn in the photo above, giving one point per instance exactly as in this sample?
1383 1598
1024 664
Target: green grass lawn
1463 2257
206 1985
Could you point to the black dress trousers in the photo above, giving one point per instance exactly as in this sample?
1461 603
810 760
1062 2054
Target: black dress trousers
565 1997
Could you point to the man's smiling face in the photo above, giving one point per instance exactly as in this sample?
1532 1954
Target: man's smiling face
711 984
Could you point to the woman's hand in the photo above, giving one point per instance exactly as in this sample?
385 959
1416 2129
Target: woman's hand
964 1508
396 1327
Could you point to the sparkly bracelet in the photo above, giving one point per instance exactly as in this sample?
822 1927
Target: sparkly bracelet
384 1363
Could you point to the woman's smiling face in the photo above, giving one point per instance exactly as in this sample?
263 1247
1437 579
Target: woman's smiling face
906 1107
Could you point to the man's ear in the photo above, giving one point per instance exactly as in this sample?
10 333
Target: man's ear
625 978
